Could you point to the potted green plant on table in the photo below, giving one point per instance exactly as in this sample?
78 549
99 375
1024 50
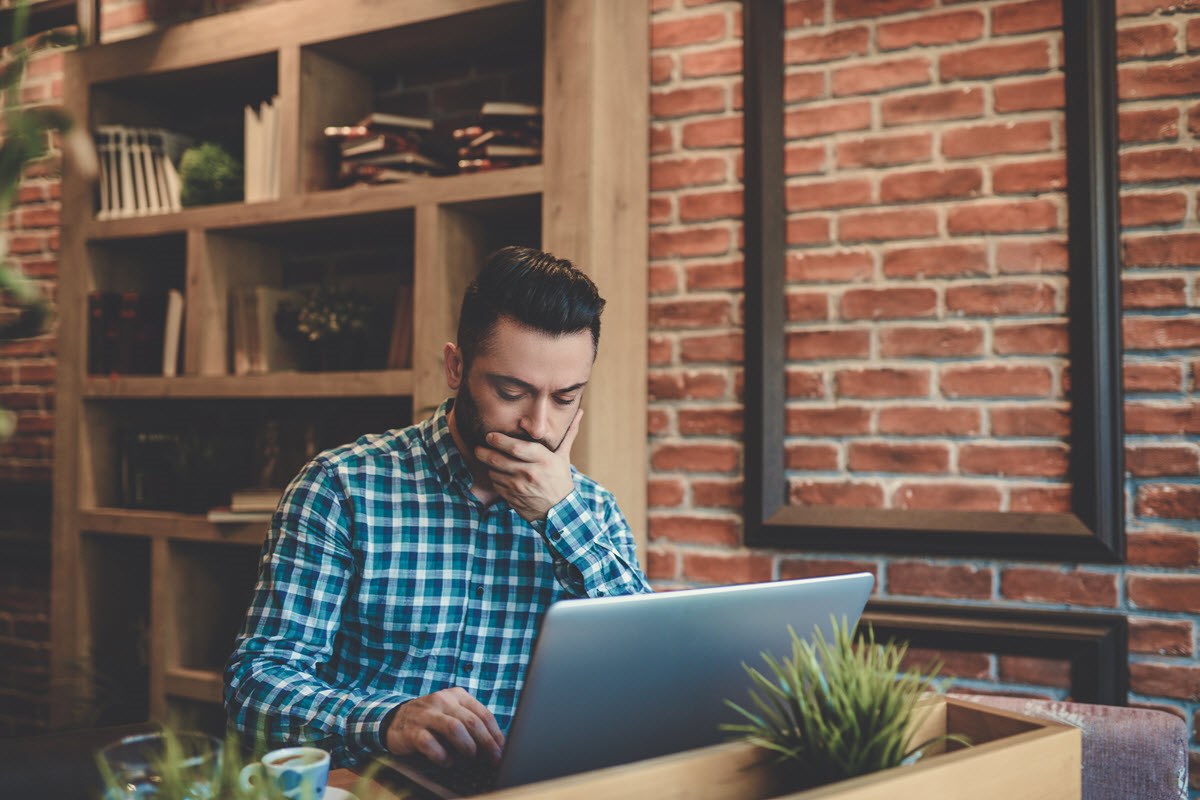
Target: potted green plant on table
186 765
838 709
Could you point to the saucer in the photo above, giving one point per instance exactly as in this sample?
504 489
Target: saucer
332 793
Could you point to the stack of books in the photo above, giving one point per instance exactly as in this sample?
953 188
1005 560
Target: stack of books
261 140
385 148
247 505
134 333
507 135
138 171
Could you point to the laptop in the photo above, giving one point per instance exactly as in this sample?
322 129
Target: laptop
620 679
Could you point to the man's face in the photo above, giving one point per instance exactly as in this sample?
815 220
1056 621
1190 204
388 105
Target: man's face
525 383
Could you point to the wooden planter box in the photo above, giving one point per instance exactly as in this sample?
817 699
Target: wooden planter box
1012 756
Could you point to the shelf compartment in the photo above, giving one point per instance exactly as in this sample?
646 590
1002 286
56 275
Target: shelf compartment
205 102
116 577
170 525
443 69
252 31
187 456
367 256
333 203
209 592
371 383
126 308
201 685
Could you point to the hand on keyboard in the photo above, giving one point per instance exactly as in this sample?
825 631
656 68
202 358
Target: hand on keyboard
446 727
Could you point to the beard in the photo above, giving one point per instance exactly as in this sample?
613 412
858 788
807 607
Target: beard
469 422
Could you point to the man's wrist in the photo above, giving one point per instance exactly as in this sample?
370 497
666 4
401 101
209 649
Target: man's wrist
386 726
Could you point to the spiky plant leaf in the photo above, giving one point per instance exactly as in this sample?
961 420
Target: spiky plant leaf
837 708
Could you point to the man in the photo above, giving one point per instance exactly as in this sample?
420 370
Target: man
405 575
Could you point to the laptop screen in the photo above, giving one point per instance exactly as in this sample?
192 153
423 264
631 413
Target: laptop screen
621 679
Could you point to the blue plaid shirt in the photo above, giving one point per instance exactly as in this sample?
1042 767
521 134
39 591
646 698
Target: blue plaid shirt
384 579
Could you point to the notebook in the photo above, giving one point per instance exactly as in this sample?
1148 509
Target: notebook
621 679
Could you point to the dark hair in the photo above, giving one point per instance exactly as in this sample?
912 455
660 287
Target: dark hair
530 287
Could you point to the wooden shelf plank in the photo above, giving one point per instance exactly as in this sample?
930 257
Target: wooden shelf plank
258 30
332 204
169 525
380 383
195 684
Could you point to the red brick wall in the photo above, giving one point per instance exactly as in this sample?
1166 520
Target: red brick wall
27 371
918 126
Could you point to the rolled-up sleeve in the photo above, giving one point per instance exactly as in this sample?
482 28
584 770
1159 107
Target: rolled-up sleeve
597 542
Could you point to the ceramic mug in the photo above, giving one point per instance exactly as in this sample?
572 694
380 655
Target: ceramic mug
300 773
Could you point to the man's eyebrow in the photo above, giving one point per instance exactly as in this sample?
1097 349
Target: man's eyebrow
494 378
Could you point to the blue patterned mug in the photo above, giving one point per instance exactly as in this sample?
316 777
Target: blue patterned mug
300 773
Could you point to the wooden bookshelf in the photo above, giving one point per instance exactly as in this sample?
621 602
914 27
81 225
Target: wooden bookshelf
155 596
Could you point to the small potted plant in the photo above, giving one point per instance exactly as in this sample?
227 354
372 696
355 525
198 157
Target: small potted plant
209 174
333 328
186 765
838 709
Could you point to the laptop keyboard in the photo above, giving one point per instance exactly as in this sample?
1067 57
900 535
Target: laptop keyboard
445 782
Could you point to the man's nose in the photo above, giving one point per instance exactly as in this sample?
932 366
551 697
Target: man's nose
537 420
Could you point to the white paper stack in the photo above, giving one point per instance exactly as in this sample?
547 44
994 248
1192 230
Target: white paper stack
138 175
262 135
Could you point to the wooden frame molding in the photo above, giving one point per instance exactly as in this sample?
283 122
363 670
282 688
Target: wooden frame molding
1095 643
1094 528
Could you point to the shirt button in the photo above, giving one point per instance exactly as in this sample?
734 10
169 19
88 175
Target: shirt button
467 667
554 534
479 590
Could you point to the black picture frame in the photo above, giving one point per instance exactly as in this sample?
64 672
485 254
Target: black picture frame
1094 528
1095 644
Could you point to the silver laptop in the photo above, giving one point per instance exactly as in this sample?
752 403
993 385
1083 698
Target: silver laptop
621 679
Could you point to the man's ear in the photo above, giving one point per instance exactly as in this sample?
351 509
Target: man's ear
452 356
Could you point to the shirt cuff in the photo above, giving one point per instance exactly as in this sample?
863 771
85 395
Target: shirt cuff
572 531
364 726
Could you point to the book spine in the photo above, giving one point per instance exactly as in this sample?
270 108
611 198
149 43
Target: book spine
239 356
126 340
98 360
140 200
125 161
249 159
153 203
101 138
400 349
149 333
173 329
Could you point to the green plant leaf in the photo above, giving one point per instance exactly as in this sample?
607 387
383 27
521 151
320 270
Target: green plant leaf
836 707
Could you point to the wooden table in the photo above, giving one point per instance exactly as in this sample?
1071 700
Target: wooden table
350 780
